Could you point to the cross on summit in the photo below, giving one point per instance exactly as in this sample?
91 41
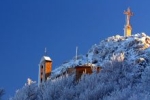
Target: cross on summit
128 28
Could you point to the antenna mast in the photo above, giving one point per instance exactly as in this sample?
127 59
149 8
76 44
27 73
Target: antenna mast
45 52
76 52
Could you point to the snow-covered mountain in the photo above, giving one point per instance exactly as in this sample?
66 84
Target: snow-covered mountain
134 48
125 74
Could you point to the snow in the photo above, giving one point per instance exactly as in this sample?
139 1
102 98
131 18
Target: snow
45 58
132 47
29 82
71 64
101 53
125 73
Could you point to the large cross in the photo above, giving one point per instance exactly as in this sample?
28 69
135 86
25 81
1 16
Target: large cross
129 14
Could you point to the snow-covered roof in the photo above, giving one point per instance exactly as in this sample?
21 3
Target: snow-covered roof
45 58
87 65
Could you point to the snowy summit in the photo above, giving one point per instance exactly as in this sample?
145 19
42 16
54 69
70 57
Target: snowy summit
135 50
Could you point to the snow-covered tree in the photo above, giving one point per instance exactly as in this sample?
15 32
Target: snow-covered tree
28 92
1 93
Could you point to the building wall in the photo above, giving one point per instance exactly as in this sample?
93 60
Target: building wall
48 69
80 71
84 69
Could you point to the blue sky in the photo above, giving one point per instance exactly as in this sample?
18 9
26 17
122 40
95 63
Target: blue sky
28 26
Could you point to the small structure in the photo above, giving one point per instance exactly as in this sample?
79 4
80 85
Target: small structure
128 28
79 70
85 69
45 68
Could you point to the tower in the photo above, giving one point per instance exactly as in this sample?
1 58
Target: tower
45 68
128 28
